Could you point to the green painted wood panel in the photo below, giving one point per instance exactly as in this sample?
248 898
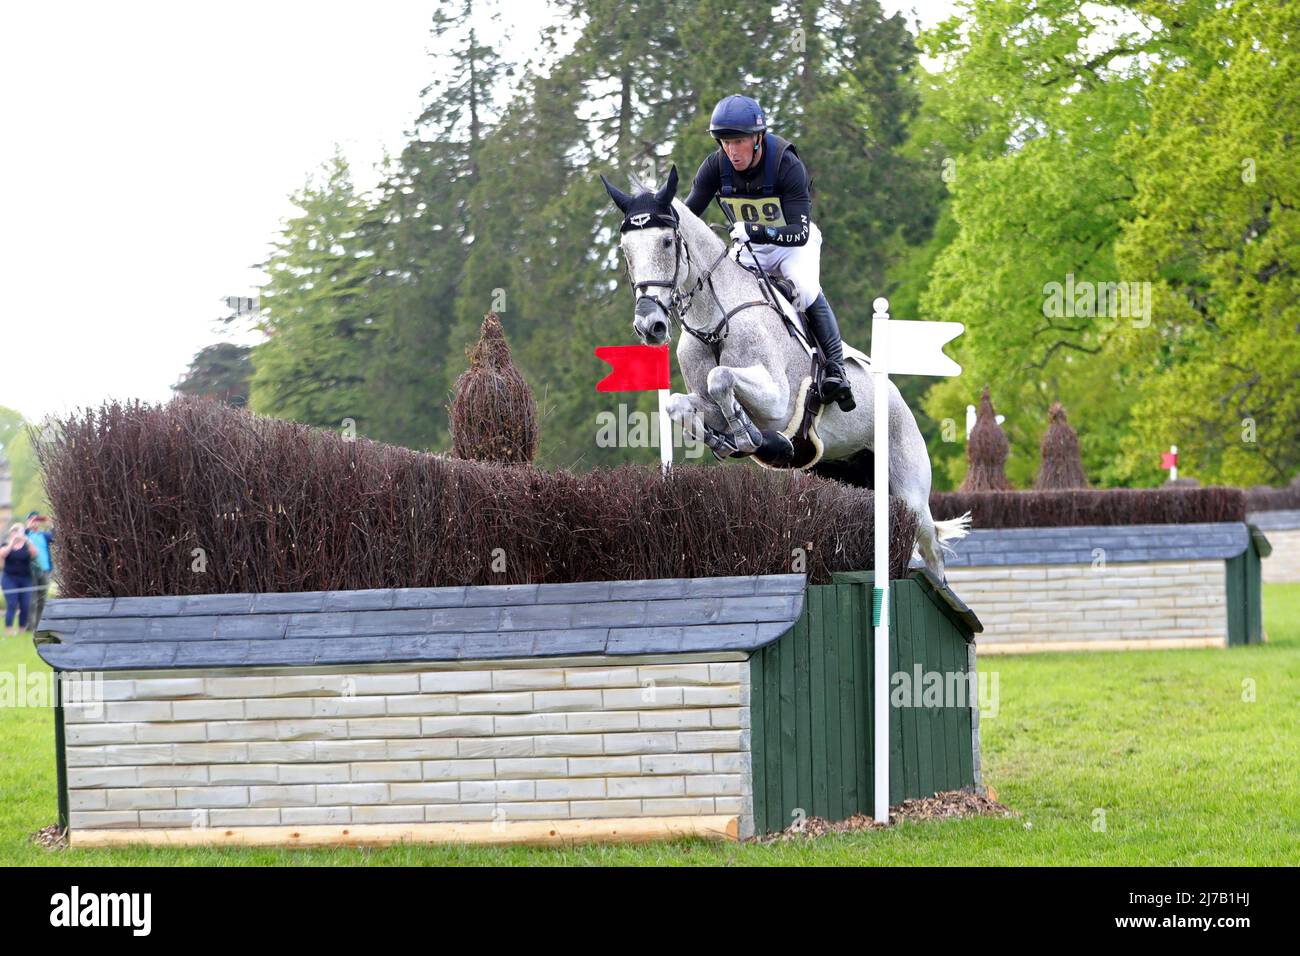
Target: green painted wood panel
929 748
825 628
1254 596
847 635
1244 597
772 698
804 716
897 785
820 739
790 737
910 644
948 720
861 607
1234 573
811 706
965 730
758 737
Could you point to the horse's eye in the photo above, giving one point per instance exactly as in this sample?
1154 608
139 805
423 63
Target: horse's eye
667 242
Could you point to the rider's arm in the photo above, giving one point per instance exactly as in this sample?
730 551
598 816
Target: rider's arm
796 206
706 185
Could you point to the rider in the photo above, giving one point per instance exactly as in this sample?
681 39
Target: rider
764 183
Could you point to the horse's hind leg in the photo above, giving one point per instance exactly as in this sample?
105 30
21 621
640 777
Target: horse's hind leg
909 479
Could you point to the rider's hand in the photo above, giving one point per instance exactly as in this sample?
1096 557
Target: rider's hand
738 231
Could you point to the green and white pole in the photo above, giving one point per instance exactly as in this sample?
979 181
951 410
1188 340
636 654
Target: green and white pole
904 347
880 595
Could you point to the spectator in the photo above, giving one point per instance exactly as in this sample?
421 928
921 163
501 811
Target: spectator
40 535
16 580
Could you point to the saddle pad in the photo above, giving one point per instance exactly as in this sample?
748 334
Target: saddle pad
855 355
802 432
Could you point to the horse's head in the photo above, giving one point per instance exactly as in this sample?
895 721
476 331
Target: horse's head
655 255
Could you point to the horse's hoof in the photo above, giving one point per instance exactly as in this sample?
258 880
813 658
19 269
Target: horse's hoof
776 449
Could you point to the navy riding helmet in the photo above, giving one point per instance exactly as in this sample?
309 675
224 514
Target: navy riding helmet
737 115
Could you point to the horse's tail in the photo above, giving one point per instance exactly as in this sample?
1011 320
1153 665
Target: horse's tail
952 529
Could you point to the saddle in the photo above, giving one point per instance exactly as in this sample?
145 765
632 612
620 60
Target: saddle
801 430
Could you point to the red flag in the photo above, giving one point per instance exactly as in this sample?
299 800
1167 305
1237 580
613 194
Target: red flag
637 368
1168 459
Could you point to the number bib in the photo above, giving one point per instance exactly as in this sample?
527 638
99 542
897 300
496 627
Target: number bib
763 210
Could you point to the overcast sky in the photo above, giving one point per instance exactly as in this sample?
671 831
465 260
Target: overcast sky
151 152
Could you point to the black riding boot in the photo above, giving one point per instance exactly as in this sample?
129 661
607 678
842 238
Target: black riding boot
835 382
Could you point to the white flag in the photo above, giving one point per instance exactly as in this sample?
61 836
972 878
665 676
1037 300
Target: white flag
915 348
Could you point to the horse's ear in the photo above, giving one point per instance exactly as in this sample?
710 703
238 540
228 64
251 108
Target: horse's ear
665 195
621 199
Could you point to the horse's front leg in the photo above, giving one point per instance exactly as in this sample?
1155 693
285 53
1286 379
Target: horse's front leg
751 387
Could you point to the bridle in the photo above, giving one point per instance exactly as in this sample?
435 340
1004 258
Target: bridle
679 300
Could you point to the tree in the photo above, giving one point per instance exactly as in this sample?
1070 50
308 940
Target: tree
317 319
498 207
423 229
25 472
1217 231
1043 92
221 372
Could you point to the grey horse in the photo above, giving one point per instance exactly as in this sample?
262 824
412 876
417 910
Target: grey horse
746 374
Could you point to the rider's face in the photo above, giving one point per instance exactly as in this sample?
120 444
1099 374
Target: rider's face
740 150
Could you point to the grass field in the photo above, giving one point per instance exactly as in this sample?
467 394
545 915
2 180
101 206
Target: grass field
1186 771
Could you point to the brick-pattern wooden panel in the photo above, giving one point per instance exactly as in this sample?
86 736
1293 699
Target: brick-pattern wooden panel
596 739
1067 604
1283 565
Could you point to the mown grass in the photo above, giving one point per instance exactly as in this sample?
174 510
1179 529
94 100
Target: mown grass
1164 745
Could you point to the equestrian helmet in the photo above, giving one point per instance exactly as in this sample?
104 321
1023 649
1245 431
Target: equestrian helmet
737 115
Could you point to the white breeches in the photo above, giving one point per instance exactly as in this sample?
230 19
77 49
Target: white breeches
800 264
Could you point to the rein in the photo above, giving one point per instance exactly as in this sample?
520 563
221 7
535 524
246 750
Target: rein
679 301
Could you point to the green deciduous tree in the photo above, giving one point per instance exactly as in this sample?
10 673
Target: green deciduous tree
1217 230
1041 95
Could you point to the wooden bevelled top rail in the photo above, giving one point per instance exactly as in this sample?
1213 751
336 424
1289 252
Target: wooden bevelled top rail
394 625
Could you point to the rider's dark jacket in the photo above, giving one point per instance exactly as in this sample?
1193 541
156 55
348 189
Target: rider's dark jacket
779 175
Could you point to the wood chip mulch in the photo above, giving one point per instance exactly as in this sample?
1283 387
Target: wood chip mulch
949 805
51 837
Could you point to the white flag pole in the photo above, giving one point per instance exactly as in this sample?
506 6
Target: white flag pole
665 433
880 596
906 347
